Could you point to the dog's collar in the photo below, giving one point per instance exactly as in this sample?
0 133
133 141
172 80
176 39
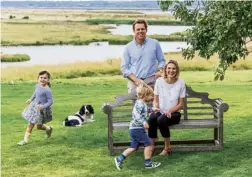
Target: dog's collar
78 115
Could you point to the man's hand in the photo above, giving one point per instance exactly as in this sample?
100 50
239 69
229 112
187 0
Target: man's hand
138 82
157 75
146 125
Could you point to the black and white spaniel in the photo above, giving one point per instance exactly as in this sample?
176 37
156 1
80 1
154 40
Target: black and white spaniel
86 114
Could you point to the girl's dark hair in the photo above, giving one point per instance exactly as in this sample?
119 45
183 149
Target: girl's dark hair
48 75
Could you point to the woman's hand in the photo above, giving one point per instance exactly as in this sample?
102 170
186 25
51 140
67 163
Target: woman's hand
168 114
155 109
28 101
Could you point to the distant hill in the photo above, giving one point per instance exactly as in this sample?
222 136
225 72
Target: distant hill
87 5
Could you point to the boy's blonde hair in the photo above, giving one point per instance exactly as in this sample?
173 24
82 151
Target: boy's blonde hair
144 90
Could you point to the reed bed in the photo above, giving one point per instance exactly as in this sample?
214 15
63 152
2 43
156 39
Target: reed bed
111 67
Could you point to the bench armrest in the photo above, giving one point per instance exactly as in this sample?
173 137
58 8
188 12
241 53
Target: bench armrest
220 107
108 107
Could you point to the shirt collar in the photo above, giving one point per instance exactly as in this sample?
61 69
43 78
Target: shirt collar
145 40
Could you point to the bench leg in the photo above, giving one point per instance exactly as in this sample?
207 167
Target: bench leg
216 135
110 137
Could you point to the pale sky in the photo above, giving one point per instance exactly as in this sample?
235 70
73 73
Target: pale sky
78 0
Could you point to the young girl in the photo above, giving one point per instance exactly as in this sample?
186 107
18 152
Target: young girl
39 109
137 126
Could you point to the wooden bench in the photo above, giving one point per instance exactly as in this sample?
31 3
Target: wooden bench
199 112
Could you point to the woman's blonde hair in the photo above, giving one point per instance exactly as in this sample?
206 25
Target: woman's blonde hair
143 91
177 68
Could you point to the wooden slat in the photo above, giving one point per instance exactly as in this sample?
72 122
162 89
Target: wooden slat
122 110
184 124
175 148
192 102
194 107
181 142
123 116
200 113
126 104
118 116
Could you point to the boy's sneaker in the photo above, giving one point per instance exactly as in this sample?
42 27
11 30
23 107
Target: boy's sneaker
21 143
118 163
152 165
49 132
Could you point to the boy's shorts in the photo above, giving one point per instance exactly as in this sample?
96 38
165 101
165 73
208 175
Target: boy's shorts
139 136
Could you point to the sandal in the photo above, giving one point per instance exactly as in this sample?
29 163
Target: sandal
166 152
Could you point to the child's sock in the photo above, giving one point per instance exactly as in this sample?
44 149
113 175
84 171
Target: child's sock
47 127
147 161
26 137
121 157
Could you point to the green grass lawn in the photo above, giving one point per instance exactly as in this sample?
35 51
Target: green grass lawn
83 151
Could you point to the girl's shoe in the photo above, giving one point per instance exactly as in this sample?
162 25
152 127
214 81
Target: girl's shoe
21 143
166 152
49 132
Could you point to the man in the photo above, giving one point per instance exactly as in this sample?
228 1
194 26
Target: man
140 57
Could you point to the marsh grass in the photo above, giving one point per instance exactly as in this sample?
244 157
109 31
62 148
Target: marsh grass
76 15
131 21
83 151
14 57
112 67
64 32
50 27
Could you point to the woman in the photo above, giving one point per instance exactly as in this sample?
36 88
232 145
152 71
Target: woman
169 92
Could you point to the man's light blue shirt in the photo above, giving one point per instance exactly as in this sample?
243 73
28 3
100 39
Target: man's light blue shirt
140 60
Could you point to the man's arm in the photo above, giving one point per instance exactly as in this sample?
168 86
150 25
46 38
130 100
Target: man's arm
133 78
160 59
125 63
160 56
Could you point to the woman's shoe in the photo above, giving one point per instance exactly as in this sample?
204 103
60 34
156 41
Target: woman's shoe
166 152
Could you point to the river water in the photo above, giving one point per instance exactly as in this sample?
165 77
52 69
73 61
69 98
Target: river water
60 54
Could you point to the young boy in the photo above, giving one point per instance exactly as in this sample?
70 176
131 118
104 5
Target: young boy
137 129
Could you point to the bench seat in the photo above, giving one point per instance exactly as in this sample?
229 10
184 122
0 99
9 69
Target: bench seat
184 124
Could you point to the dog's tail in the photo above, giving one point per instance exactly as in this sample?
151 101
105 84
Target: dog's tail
66 122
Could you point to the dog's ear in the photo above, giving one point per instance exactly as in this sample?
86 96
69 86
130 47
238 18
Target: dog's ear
90 108
82 110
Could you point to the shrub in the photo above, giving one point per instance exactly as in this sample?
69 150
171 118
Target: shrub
25 17
11 17
15 58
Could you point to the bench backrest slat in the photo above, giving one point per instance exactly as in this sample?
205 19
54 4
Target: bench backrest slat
196 106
